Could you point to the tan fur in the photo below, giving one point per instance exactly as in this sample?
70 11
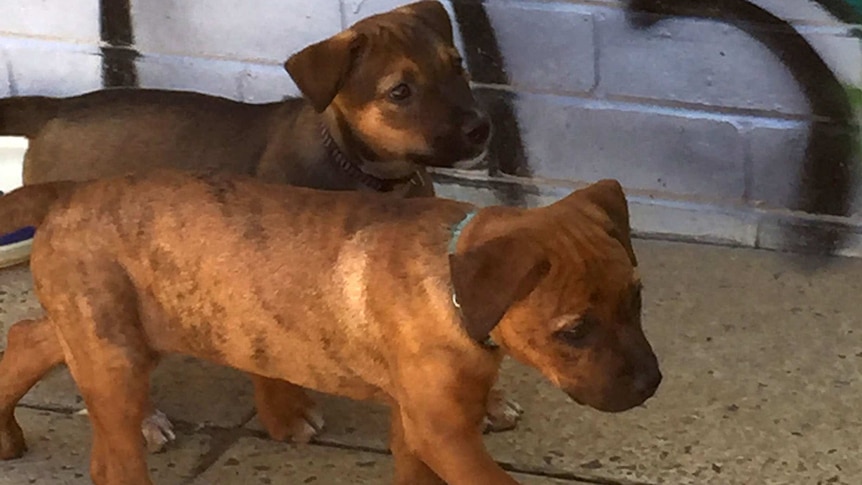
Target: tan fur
343 80
345 293
373 123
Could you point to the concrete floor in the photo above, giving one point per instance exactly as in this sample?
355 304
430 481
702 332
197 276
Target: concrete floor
761 356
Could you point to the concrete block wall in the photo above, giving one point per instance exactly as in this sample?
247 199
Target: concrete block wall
49 46
708 125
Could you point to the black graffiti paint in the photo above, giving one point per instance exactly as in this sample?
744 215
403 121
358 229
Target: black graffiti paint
841 10
826 177
485 61
118 53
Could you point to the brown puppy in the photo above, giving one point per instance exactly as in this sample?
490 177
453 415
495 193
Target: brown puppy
409 302
383 99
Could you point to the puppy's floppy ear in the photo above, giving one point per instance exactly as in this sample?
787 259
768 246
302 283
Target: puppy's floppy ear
434 15
321 69
490 278
608 195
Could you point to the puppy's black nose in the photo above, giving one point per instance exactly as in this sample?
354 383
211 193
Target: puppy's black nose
477 128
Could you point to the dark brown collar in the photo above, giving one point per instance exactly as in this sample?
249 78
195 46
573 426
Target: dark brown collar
348 165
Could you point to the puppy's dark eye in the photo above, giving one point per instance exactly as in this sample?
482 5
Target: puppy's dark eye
400 93
576 334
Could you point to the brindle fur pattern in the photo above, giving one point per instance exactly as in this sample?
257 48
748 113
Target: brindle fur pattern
345 293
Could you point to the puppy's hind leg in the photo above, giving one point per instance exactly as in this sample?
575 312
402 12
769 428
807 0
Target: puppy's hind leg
108 355
114 378
32 349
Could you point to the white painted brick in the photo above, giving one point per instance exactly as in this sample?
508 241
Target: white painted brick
480 196
651 217
221 78
69 20
355 10
828 35
545 49
692 222
253 83
4 76
693 61
777 156
566 140
263 84
798 12
802 233
268 30
794 11
51 68
842 53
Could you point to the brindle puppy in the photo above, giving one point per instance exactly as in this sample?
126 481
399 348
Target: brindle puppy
408 302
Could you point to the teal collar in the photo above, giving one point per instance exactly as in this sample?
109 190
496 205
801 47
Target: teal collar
456 231
453 244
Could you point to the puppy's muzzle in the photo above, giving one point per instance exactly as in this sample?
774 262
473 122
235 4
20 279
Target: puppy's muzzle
624 394
646 383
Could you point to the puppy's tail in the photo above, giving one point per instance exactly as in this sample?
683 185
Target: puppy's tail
28 206
26 115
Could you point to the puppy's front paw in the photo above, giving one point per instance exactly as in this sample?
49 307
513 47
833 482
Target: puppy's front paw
502 414
300 428
11 441
158 431
286 411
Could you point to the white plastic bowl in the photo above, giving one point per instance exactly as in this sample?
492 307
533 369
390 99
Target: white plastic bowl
12 150
15 253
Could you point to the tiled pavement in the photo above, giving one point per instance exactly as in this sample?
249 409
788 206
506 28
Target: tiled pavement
760 352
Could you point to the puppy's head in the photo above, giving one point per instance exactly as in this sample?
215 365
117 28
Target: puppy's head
558 288
397 87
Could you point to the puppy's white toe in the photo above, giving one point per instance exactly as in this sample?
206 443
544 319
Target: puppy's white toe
502 413
314 416
158 431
